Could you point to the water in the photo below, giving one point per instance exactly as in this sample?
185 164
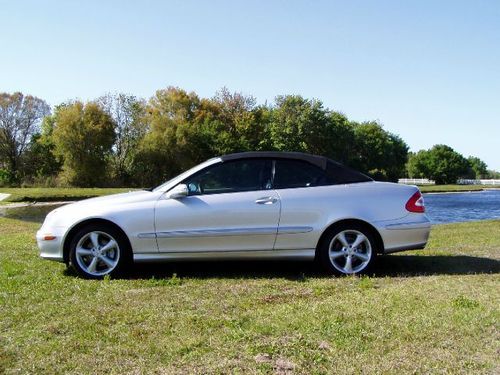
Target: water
457 207
28 212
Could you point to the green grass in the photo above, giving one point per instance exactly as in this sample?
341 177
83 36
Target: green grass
56 194
454 188
428 311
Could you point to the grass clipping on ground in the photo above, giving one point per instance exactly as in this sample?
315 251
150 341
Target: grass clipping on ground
428 311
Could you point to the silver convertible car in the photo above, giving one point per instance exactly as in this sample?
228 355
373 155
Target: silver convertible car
242 206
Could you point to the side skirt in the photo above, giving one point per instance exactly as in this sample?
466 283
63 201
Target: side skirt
301 254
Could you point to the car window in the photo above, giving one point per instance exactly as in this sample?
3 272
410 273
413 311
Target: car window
230 177
297 173
340 174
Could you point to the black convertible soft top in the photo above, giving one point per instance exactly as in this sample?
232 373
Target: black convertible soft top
319 161
336 170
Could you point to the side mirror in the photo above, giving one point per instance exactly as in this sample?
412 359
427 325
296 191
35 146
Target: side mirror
180 191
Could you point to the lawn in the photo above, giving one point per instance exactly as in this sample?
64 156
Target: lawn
428 311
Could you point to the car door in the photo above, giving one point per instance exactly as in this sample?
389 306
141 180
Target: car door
303 202
230 207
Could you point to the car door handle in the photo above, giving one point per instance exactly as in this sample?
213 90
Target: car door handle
266 200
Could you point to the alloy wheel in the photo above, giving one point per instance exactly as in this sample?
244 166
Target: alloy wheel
97 253
350 251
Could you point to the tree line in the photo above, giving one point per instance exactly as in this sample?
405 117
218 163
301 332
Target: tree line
123 140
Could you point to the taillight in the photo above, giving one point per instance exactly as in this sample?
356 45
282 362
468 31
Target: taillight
416 203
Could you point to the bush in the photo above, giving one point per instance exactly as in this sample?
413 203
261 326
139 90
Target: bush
5 177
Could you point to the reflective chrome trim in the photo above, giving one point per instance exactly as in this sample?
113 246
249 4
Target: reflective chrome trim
411 225
293 230
216 232
146 235
301 254
226 232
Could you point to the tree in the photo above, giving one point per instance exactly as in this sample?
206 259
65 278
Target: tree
339 139
166 149
417 165
298 124
154 140
238 121
493 174
441 163
185 130
84 135
381 154
40 163
20 116
128 113
479 169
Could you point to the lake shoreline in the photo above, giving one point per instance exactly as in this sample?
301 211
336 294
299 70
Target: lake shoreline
458 191
453 192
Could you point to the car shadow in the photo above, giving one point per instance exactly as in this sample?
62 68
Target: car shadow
246 269
386 266
425 265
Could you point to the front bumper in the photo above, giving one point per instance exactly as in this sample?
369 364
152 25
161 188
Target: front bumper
51 249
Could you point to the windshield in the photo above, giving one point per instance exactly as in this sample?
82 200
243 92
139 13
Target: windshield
174 181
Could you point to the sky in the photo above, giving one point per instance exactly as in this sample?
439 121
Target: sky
428 71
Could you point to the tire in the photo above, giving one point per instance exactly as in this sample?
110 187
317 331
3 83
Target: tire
98 250
338 255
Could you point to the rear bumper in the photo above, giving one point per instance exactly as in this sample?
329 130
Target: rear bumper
416 246
410 233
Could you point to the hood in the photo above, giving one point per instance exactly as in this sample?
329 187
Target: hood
121 198
105 206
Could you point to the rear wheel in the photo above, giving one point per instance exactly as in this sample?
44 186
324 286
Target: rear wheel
98 250
348 249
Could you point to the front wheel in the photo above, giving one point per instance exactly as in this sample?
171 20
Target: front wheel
97 251
347 250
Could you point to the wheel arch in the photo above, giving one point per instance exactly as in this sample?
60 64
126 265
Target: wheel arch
333 226
81 224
